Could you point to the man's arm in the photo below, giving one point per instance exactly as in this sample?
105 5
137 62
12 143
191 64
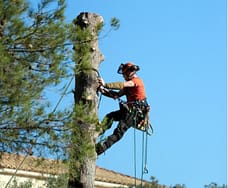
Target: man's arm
105 88
108 92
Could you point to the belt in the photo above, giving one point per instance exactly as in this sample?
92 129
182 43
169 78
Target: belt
138 102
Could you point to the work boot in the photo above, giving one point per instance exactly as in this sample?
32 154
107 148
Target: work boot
100 148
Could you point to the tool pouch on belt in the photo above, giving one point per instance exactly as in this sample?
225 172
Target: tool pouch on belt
137 115
141 111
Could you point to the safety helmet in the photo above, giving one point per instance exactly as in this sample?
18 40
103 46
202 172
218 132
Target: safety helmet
127 67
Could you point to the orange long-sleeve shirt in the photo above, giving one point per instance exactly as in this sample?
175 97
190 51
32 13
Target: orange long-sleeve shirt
137 92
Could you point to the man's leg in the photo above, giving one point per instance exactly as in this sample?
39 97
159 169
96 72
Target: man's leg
109 118
112 139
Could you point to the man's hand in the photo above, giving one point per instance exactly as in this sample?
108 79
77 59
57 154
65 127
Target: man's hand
102 89
101 81
101 84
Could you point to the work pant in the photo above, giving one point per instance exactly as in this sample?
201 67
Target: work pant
125 119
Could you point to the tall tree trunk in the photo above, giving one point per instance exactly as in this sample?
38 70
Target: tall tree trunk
87 99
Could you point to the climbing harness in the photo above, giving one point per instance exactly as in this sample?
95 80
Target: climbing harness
140 111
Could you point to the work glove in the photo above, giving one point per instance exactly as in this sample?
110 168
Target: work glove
101 82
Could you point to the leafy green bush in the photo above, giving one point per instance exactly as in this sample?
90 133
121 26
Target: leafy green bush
15 184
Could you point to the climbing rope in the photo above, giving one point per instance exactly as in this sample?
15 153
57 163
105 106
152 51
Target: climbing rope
144 169
14 174
64 93
146 148
28 152
135 164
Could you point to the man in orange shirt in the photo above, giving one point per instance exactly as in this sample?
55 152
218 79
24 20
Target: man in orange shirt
134 90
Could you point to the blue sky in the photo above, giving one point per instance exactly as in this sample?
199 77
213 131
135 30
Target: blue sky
180 46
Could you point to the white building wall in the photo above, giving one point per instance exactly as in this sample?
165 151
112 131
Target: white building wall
37 179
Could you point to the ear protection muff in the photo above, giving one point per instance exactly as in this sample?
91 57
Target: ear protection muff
128 66
134 68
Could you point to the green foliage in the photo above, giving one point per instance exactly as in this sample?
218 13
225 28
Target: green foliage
179 186
99 28
155 184
80 138
32 57
215 185
15 184
60 181
115 23
82 47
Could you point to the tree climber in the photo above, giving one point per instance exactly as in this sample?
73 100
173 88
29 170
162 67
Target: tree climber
132 113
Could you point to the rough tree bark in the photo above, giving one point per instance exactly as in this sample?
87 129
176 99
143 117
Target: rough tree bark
86 95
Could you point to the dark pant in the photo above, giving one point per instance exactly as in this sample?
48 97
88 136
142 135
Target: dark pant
127 118
125 122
